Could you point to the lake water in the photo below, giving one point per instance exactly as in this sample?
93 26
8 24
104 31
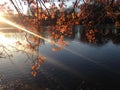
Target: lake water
91 61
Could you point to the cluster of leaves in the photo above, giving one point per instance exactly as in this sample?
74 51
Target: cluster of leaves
36 65
61 27
99 13
30 49
89 15
100 35
91 36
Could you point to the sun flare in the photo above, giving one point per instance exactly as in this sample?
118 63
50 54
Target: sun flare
5 40
1 13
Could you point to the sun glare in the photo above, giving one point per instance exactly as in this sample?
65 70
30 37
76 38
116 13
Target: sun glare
23 29
6 41
1 14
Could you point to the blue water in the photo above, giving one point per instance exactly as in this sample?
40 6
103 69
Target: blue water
82 65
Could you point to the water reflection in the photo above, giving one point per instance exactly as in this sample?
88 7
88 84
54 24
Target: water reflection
97 36
91 35
21 42
32 47
100 36
30 44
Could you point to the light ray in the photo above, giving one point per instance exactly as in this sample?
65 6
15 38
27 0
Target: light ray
50 41
23 29
32 33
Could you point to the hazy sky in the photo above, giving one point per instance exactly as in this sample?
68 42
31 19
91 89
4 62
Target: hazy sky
68 3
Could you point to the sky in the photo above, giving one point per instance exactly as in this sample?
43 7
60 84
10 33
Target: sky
68 3
12 7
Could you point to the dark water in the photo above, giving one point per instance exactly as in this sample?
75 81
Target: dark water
90 62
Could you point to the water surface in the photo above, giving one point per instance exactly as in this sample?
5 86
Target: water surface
91 61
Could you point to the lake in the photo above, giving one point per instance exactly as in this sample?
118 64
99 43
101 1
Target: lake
88 60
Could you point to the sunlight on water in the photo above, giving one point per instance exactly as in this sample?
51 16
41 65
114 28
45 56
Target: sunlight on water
23 29
6 41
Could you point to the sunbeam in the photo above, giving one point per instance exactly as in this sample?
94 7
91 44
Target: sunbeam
32 33
50 41
2 19
22 28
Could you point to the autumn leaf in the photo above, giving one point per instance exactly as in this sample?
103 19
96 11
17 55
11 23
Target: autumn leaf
34 73
33 67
